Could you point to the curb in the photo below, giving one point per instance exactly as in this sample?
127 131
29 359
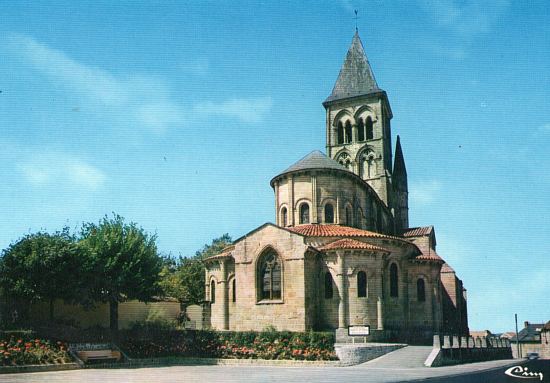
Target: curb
161 362
38 368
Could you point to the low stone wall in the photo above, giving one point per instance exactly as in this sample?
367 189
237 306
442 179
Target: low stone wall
352 354
448 350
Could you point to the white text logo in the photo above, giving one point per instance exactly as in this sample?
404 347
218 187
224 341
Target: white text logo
523 373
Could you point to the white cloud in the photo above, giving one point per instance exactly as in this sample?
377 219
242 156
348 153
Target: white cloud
424 192
251 110
61 169
464 20
136 100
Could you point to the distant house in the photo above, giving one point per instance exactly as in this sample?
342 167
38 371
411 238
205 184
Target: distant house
508 335
530 340
481 333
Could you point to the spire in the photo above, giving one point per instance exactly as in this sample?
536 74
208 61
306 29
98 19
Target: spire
399 169
356 77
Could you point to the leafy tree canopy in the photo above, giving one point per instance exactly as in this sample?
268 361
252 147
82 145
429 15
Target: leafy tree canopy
183 278
42 266
123 259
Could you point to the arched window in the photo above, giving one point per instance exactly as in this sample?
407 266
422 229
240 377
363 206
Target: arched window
420 290
348 216
212 292
329 291
340 132
345 160
270 276
284 217
329 213
370 131
360 130
348 132
304 213
234 290
361 284
393 281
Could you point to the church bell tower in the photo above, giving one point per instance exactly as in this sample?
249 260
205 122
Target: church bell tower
358 118
358 130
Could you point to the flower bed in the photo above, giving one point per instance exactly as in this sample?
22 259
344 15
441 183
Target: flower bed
232 345
18 351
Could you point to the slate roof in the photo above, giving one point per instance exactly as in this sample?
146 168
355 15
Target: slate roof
418 231
351 244
529 333
315 160
356 77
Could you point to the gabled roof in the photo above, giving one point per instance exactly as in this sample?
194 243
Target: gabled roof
428 254
356 77
352 244
529 333
418 231
225 253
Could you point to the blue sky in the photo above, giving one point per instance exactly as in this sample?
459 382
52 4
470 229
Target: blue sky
176 115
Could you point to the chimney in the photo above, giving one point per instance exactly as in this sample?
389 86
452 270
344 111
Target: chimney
526 324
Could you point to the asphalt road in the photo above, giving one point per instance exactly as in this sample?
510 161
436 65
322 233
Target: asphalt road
238 373
498 375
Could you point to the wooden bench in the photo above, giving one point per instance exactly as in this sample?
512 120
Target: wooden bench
91 356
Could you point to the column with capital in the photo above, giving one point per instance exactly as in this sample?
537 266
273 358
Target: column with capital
225 294
342 292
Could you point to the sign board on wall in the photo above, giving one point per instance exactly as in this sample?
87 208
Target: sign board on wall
358 330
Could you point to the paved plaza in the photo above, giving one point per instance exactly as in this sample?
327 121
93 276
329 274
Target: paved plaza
364 373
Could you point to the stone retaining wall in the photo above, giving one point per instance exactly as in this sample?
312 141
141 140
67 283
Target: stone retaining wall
448 350
351 354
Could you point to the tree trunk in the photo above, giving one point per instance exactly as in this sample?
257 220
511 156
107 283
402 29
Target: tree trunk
51 310
113 315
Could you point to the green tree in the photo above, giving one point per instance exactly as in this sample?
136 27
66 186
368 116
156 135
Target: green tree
42 267
184 279
124 262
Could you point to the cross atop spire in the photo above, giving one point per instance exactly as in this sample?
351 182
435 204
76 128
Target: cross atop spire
356 17
356 77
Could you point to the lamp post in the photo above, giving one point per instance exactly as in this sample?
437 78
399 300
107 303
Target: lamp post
517 335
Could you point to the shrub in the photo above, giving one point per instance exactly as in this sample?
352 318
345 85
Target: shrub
16 351
234 345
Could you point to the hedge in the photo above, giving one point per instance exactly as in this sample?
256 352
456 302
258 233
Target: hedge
232 345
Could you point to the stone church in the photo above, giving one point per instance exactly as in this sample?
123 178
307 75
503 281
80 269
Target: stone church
341 252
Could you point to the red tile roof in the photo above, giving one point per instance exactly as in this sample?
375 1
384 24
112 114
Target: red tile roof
226 252
428 254
313 230
418 231
446 268
432 256
352 244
